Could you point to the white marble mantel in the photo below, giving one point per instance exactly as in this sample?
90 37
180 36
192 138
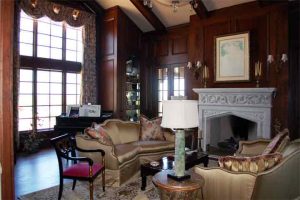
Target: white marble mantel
253 104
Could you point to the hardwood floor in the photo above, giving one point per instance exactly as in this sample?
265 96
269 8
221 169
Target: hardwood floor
36 172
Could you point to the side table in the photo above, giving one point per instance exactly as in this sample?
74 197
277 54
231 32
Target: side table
170 189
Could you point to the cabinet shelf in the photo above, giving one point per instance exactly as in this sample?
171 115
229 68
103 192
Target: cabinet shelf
132 90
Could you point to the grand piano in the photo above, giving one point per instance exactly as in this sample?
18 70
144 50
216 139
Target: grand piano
65 124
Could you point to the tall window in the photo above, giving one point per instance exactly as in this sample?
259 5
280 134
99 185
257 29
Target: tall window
163 88
171 82
178 88
51 55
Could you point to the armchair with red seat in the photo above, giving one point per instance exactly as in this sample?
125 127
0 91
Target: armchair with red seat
82 168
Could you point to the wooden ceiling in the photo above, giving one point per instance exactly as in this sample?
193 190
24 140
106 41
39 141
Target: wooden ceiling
160 17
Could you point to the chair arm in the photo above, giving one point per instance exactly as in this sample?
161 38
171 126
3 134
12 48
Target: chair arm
226 185
91 150
81 159
253 147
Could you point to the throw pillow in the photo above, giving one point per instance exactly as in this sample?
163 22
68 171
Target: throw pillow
97 132
278 142
150 128
254 164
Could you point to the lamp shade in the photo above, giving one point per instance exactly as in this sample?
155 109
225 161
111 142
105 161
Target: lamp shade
180 114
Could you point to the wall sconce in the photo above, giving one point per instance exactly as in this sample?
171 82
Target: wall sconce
279 62
196 67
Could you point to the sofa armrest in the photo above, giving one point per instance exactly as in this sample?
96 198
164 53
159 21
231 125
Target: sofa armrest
226 185
85 142
253 147
169 135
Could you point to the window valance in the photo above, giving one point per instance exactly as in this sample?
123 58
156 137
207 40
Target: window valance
56 12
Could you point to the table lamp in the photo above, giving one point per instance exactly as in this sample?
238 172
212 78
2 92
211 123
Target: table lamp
179 115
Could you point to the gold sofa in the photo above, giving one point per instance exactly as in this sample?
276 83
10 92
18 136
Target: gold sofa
279 182
124 157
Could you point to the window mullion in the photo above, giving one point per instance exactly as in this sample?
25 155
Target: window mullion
171 81
34 105
64 91
35 26
64 42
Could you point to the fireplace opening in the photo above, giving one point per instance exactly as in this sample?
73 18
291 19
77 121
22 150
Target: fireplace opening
227 131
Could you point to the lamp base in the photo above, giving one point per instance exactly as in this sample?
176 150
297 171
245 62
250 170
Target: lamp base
173 176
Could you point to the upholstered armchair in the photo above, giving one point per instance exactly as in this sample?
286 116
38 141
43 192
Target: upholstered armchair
280 182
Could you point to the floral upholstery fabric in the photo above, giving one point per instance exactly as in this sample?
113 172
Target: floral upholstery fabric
278 142
254 164
151 129
97 132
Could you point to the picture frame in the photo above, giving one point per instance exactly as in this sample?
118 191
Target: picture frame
90 111
232 59
73 110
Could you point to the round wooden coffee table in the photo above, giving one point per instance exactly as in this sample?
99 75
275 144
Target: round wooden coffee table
171 189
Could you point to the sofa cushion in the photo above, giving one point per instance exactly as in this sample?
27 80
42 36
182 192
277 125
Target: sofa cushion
128 131
253 164
125 152
100 134
112 130
150 128
154 146
278 142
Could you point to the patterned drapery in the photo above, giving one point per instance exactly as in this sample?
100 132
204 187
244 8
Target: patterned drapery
73 17
89 92
16 77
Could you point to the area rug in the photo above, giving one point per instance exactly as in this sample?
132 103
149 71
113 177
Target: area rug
129 191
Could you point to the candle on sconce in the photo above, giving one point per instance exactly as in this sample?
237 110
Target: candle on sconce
255 69
205 72
259 71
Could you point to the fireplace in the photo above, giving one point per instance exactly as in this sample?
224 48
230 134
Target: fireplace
251 104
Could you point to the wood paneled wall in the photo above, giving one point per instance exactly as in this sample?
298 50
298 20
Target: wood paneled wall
159 49
119 39
6 98
268 27
294 69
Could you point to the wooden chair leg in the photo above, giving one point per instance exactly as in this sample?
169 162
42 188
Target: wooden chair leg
91 190
103 180
74 184
61 185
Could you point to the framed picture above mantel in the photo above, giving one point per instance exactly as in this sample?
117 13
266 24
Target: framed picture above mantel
232 58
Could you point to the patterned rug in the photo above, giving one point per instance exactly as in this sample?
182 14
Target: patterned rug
129 191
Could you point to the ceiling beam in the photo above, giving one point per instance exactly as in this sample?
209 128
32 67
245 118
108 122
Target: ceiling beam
149 15
199 8
93 5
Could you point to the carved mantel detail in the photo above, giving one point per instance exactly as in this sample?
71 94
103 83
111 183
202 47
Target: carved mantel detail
235 99
253 104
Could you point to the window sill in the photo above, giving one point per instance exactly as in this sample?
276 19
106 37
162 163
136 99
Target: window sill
50 130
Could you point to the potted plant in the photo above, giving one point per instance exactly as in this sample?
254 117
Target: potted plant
32 143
